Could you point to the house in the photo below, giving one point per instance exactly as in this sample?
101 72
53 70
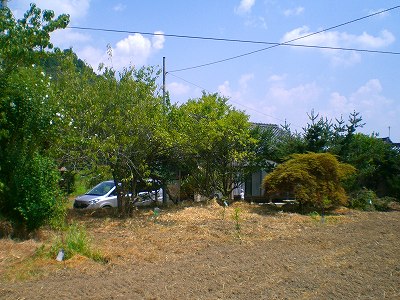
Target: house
395 146
253 185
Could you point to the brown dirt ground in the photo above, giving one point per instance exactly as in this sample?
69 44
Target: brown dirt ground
197 253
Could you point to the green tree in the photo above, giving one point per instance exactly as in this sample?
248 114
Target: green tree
343 134
313 178
287 143
378 165
27 119
322 135
24 42
112 119
217 144
317 134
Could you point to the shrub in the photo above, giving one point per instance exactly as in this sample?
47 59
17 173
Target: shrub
313 178
367 200
33 198
363 200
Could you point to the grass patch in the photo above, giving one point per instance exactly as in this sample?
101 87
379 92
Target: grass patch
75 240
327 219
31 259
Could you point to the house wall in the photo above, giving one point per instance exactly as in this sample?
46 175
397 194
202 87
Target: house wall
253 186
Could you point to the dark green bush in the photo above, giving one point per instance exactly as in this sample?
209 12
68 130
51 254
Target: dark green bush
364 200
33 197
367 200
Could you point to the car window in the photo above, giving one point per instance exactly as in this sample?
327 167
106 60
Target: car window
101 189
113 193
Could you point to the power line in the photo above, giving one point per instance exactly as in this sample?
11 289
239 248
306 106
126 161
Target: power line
288 42
272 44
235 40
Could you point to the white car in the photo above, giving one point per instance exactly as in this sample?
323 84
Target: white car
104 195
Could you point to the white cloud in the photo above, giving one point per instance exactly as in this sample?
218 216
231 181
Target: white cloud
136 45
294 11
340 39
66 38
298 95
292 103
377 111
282 102
177 88
337 39
93 56
244 80
132 50
369 96
135 49
343 58
340 105
225 89
384 39
244 7
250 20
240 92
158 40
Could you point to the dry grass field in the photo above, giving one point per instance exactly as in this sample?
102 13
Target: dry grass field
205 252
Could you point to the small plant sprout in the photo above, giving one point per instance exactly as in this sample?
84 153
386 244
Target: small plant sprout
156 213
236 218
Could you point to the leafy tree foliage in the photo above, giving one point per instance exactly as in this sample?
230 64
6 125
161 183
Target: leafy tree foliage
27 119
322 135
23 42
112 119
377 163
215 144
287 143
317 134
343 134
313 178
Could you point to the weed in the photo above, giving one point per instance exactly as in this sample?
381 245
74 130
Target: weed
224 205
237 219
314 215
75 241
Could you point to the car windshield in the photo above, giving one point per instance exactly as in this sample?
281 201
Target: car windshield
101 189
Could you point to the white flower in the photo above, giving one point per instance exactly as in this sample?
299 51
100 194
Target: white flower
12 104
51 122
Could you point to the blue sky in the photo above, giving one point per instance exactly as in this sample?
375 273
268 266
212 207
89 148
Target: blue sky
282 83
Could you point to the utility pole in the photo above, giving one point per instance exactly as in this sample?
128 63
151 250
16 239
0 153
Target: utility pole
164 195
163 85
